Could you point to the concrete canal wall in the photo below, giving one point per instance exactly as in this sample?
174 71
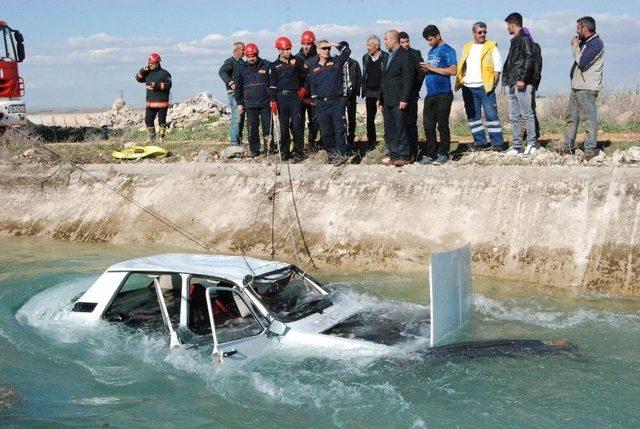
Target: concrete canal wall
565 226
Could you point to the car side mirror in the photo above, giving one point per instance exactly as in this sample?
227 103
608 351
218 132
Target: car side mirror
276 327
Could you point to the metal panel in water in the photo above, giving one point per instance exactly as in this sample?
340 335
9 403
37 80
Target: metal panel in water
450 278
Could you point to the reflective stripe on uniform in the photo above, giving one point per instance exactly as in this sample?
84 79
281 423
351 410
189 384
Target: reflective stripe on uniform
157 104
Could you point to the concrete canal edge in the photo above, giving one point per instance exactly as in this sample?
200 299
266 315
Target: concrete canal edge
564 226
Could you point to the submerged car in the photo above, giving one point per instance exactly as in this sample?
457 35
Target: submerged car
241 305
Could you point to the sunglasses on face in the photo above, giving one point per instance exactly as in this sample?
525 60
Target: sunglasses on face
481 32
326 48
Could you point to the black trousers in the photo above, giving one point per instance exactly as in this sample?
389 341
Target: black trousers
395 132
257 116
331 119
435 114
312 124
290 115
372 109
352 105
151 113
412 127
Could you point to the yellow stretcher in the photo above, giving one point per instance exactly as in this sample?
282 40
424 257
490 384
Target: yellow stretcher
136 152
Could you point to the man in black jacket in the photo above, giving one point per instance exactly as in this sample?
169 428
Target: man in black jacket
252 96
309 55
352 79
518 74
158 83
226 73
396 92
415 57
372 65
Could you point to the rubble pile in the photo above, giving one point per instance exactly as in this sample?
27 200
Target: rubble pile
120 116
180 115
196 110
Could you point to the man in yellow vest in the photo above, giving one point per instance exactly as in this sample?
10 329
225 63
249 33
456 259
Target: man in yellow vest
478 75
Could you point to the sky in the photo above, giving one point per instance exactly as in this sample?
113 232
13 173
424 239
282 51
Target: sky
83 54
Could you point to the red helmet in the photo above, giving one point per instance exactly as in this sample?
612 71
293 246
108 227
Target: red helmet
308 37
154 58
251 50
283 43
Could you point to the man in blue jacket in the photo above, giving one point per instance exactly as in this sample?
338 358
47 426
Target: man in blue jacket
252 95
287 77
326 83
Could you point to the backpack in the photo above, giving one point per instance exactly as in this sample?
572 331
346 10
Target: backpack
537 65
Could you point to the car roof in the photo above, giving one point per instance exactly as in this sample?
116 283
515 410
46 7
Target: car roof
234 268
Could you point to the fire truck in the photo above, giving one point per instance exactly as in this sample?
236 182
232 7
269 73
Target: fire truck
12 108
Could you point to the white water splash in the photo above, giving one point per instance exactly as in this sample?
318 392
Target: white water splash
550 318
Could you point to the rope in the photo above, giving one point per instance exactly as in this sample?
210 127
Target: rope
293 198
295 209
104 183
273 213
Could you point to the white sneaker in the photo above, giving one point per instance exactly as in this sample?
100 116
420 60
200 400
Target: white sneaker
513 152
530 150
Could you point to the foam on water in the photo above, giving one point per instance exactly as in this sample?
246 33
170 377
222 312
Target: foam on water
539 315
49 310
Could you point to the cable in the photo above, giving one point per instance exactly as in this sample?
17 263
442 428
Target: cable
293 200
295 208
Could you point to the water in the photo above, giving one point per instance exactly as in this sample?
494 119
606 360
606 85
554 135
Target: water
53 373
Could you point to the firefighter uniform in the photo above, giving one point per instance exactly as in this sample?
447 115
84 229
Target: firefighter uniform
158 83
286 81
309 61
252 92
326 84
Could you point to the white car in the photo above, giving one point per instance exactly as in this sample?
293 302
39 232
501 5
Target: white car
241 305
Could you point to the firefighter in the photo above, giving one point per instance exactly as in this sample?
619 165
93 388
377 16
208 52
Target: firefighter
252 95
309 55
326 83
286 81
158 83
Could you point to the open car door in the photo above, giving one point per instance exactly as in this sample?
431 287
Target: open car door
236 329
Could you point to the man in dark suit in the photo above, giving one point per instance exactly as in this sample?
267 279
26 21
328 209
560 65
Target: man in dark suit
396 92
352 80
415 57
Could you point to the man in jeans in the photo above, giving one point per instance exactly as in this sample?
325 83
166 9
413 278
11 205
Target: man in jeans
226 73
440 66
478 76
372 65
518 76
586 82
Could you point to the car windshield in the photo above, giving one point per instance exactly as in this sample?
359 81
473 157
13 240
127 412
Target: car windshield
289 295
